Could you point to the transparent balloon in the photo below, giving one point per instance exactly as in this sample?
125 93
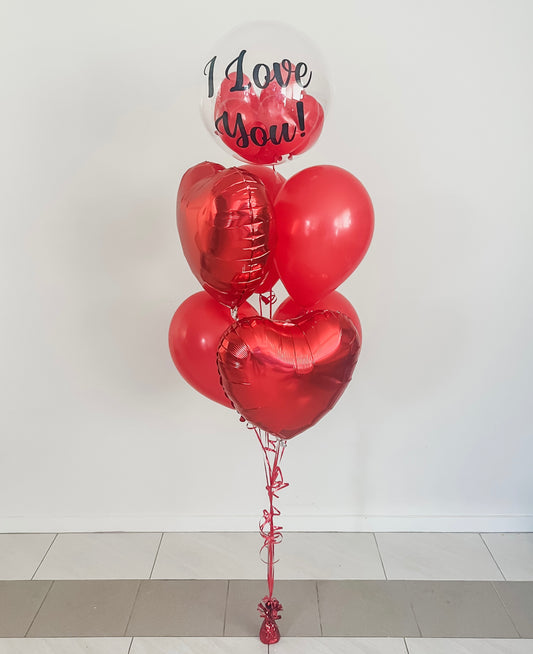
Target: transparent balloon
266 92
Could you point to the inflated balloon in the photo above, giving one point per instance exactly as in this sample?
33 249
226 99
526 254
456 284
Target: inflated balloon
265 93
273 182
324 225
288 310
193 338
225 227
283 377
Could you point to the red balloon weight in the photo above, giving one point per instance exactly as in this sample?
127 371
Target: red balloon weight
283 377
193 339
288 310
280 122
324 225
225 227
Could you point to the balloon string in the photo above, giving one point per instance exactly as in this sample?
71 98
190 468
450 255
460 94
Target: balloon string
273 449
269 299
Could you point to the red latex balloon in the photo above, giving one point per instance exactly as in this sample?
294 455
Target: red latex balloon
280 122
288 310
224 222
283 377
324 225
193 338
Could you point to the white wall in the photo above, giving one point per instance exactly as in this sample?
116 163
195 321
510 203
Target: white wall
433 106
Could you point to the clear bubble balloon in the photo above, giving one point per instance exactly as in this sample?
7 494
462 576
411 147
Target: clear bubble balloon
265 93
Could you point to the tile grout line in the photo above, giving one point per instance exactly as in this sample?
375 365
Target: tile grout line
379 554
156 555
133 608
404 584
44 557
225 609
38 610
505 608
492 556
318 608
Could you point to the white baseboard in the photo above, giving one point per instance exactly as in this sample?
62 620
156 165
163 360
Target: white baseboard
151 523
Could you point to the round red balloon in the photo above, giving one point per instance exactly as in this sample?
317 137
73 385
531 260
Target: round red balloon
193 338
225 226
324 225
288 310
284 376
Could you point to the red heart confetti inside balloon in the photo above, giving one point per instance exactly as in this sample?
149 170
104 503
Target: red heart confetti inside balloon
225 227
284 376
281 122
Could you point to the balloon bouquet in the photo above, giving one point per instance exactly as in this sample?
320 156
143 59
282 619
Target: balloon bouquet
244 228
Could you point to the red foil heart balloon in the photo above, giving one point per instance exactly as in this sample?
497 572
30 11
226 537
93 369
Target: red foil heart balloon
225 226
284 376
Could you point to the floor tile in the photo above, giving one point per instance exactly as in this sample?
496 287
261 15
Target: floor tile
85 608
365 608
339 646
459 609
100 556
298 598
20 554
216 555
469 646
323 555
198 646
513 554
64 645
517 597
179 608
19 603
436 556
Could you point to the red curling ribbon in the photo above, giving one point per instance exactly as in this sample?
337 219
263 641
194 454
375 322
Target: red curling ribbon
268 299
273 449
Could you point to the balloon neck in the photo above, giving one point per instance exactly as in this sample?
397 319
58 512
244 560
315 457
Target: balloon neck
234 313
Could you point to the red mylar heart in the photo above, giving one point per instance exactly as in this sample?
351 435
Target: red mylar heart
284 376
225 227
280 122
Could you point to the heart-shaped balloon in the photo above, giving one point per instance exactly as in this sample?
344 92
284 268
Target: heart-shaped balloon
288 310
225 227
264 129
284 376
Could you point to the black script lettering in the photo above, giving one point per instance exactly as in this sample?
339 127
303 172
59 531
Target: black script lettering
300 72
257 71
210 84
278 75
283 134
223 120
239 74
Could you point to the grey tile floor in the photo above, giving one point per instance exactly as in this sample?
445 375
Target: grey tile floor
367 593
374 608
